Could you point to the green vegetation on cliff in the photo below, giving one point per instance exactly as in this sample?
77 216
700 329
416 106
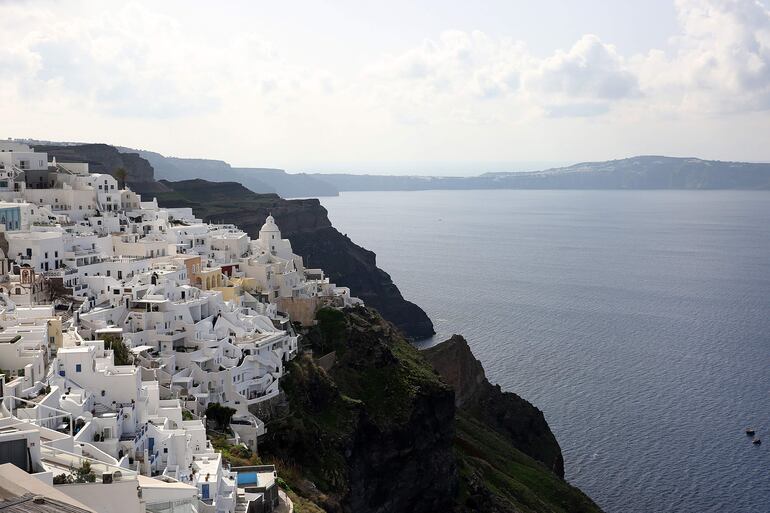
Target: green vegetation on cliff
375 429
497 477
374 432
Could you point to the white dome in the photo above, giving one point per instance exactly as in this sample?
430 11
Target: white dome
269 225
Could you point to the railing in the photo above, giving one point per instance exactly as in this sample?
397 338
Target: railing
67 460
10 402
63 271
178 506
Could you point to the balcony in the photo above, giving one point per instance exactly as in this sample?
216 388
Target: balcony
59 461
60 273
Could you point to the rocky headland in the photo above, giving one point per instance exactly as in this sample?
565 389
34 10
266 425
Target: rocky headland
372 427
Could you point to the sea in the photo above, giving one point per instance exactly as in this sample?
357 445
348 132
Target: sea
638 321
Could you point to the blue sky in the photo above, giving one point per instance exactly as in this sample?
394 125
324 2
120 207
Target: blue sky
434 87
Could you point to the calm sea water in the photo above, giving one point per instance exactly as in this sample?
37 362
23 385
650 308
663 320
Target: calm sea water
638 321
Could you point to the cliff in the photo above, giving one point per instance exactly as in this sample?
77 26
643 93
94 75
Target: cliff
374 433
261 180
313 237
103 158
379 431
505 412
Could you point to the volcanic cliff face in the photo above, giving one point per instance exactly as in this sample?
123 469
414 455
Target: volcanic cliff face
312 236
504 412
373 428
374 432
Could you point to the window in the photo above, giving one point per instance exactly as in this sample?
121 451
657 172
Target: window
165 450
78 367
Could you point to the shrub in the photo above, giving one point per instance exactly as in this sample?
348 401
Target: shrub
121 353
221 415
63 479
84 474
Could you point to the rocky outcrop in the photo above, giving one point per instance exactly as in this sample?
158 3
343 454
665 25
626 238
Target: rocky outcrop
378 431
505 412
374 433
103 158
312 235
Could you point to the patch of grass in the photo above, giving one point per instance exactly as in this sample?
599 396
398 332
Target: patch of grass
511 476
302 505
236 455
387 379
317 430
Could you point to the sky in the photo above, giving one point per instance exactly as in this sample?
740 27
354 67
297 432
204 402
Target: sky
402 87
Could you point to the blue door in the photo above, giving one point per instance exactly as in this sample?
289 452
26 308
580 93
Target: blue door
205 490
151 444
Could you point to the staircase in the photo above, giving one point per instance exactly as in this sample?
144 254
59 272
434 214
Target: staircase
241 506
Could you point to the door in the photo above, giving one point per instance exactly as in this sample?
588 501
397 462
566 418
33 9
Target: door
15 451
205 490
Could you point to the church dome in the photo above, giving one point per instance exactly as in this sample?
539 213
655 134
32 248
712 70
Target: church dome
269 225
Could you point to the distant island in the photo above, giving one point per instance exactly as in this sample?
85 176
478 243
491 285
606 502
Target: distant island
645 172
642 172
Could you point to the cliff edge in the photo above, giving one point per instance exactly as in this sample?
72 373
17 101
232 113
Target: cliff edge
505 412
312 235
371 432
373 428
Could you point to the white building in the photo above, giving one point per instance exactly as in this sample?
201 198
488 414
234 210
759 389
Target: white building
204 311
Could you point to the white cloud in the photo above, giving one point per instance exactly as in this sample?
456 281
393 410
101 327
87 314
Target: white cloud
135 62
447 75
720 63
473 68
583 81
137 72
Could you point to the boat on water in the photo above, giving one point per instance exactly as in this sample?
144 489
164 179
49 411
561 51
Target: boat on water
756 441
749 431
